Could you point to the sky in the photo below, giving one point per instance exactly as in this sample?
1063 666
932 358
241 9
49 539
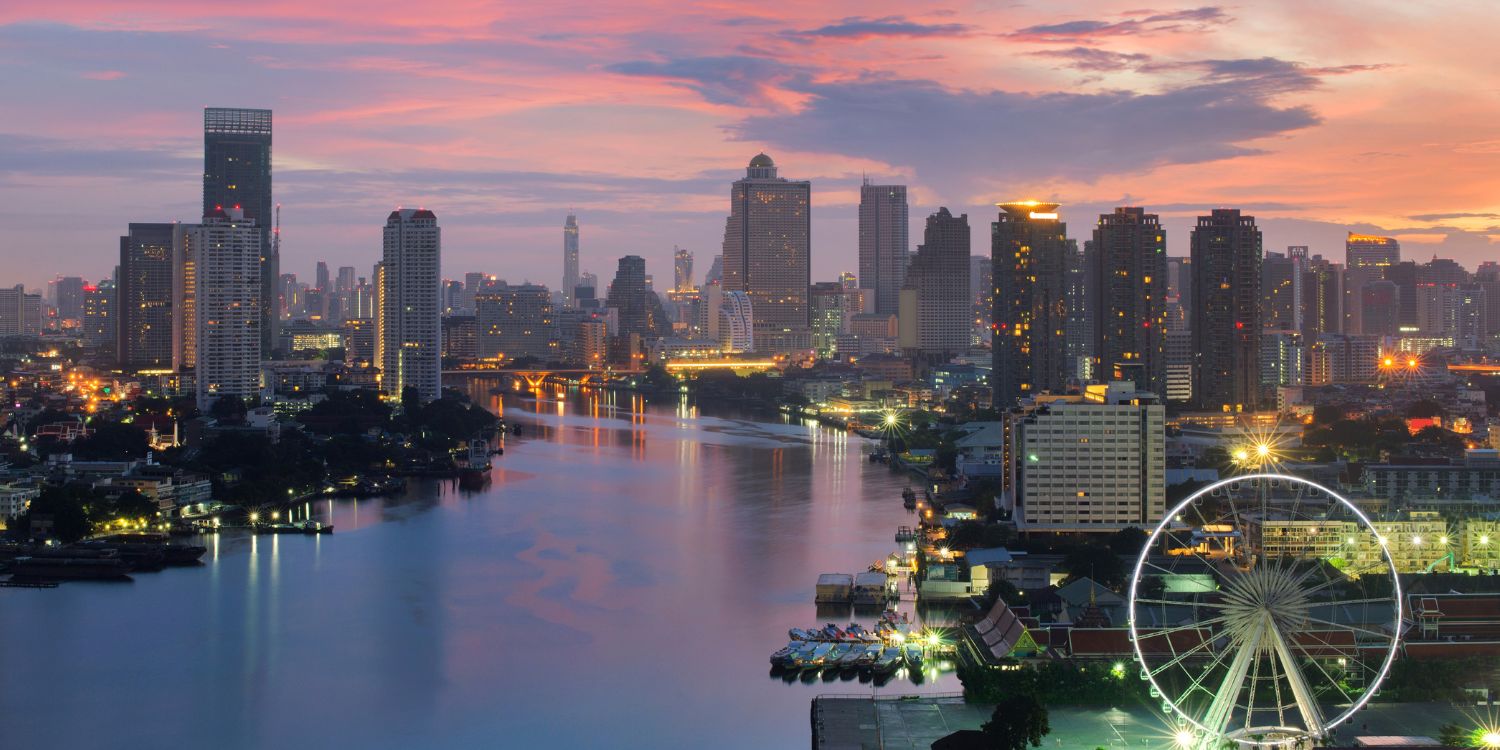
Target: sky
1317 118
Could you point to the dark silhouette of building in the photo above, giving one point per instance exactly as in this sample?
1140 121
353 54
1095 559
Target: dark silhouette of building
1226 258
1029 248
935 302
639 308
1128 289
145 296
237 172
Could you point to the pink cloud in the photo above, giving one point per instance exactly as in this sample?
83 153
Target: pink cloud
104 75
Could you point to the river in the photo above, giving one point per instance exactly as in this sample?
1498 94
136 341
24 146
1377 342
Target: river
620 583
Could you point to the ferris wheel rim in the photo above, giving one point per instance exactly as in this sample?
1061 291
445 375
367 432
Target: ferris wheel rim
1396 595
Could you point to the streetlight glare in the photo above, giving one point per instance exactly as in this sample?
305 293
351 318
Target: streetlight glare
1183 738
1262 450
1491 738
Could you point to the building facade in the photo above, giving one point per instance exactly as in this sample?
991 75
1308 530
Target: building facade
515 322
237 172
1030 252
639 308
226 254
767 254
145 292
570 260
409 323
1226 313
1128 281
884 242
935 301
1095 463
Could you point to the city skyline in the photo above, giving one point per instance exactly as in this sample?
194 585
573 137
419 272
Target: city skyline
1324 136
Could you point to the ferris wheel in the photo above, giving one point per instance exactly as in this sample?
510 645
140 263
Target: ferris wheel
1265 610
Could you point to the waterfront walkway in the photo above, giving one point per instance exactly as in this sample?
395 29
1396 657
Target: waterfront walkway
860 722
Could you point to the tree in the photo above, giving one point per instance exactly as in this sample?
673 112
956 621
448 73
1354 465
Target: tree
1425 409
1018 721
1127 541
229 409
68 508
1099 563
111 441
1326 414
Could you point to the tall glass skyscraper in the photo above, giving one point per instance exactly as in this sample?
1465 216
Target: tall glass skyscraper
145 294
1031 253
767 254
570 260
237 172
1226 252
1128 285
883 244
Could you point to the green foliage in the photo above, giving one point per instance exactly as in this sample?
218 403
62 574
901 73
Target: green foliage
1057 683
656 378
1326 414
1018 721
1425 409
111 441
1362 439
1098 563
1420 680
229 409
69 508
1128 541
348 412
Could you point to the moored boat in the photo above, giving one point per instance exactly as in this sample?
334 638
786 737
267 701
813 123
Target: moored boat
913 657
888 661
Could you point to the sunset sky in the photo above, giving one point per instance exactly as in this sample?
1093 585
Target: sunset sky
1317 118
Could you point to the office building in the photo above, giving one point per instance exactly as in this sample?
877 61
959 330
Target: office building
515 322
1226 257
67 297
827 299
1381 301
935 300
1127 269
1030 252
570 261
1322 298
226 253
1094 463
639 308
682 269
145 295
883 244
20 312
1343 358
237 172
100 316
767 254
1281 290
409 322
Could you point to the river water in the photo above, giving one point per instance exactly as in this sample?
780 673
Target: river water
620 583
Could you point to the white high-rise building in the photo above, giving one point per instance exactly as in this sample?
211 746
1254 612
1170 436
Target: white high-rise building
221 258
410 319
736 323
1090 463
767 254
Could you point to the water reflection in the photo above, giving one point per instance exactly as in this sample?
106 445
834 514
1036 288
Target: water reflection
619 583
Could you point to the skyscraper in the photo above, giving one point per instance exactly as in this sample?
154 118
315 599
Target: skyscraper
1367 257
767 254
100 316
20 312
935 303
639 308
409 323
883 244
1128 271
515 322
67 295
827 301
1281 290
682 269
237 172
1029 248
145 294
570 259
1226 257
225 250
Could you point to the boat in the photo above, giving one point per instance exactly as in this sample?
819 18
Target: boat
913 657
850 657
50 566
887 662
798 634
300 527
172 554
909 499
832 632
836 654
814 658
866 660
781 654
143 558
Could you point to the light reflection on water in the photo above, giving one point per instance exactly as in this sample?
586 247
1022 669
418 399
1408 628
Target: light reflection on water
619 584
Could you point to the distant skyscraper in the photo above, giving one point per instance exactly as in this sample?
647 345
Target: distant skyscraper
225 250
935 303
1366 258
1281 290
68 297
827 301
345 283
1381 301
715 273
1322 298
515 322
1128 273
767 254
409 323
883 244
1029 249
145 293
100 315
639 308
982 292
237 172
570 259
682 269
20 312
1226 257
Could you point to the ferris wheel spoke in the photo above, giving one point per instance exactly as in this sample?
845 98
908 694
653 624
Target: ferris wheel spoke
1205 643
1319 665
1354 628
1216 719
1307 703
1202 625
1174 603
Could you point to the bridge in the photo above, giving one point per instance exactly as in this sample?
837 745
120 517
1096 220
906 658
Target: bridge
534 377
